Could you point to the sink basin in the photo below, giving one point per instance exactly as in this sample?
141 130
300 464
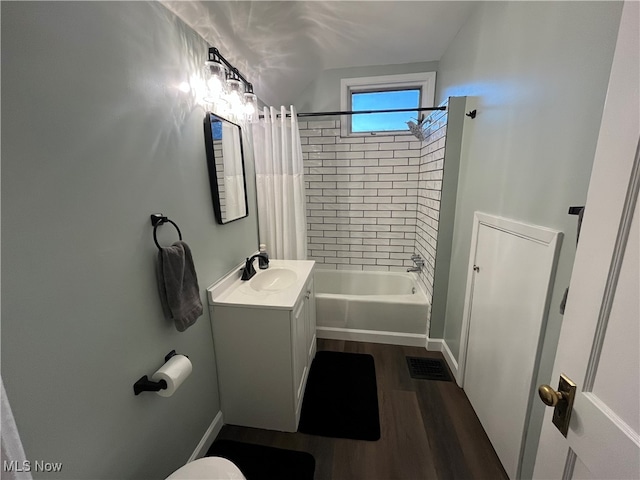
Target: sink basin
279 286
273 280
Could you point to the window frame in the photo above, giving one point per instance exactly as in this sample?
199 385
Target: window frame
425 81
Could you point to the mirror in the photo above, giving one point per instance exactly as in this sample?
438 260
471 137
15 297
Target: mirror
225 162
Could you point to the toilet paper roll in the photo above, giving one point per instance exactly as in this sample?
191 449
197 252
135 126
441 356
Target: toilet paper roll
174 372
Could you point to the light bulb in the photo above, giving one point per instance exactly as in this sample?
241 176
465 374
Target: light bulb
215 86
234 97
214 74
250 106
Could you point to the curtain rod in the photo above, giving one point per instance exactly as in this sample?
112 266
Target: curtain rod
360 112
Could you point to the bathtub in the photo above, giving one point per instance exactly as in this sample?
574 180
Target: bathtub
382 307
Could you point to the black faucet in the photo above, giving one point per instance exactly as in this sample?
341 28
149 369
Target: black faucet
248 271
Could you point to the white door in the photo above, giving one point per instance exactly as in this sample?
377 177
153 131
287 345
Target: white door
600 336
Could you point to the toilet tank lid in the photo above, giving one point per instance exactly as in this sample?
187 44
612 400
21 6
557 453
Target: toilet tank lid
208 468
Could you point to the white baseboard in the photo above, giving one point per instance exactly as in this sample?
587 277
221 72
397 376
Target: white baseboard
208 438
434 344
451 361
439 345
372 336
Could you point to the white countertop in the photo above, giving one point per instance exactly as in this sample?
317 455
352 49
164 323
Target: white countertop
231 291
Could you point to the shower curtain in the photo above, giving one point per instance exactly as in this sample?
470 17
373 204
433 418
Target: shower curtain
233 173
282 221
13 456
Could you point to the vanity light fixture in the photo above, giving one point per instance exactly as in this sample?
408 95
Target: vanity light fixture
228 91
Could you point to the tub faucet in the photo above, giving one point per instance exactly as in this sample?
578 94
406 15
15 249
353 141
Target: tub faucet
248 271
417 259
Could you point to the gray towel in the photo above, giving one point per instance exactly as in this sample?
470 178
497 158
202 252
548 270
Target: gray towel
178 285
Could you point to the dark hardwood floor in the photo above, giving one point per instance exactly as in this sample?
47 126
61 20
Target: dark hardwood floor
428 428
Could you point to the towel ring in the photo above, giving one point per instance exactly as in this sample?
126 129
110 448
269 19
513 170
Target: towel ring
158 219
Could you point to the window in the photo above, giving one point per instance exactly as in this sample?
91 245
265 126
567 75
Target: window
384 93
384 100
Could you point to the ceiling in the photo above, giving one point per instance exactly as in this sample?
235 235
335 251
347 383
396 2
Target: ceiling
281 46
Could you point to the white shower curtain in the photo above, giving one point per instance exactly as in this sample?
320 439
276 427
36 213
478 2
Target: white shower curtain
233 174
280 185
13 456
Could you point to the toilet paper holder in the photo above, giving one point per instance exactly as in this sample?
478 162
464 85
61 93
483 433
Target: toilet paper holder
146 385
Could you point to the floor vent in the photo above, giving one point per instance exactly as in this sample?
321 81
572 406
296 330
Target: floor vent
428 369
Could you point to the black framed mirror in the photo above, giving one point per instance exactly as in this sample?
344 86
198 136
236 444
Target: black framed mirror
225 162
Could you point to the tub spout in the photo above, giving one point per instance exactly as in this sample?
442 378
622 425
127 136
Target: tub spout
414 269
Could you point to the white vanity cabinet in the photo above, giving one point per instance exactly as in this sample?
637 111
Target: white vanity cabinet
311 320
264 344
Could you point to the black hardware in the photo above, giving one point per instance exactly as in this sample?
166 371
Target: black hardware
575 210
157 219
172 353
146 385
579 211
168 356
232 72
472 114
263 261
248 271
362 112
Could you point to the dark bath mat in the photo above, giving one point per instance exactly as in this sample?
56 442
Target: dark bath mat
341 399
257 462
428 369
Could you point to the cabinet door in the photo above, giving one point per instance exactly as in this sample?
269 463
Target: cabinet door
298 338
311 321
508 296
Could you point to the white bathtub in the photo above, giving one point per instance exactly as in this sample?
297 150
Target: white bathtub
383 307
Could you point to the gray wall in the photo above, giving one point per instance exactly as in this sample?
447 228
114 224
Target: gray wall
95 138
538 74
323 94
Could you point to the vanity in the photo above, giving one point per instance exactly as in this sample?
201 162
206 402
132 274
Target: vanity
264 334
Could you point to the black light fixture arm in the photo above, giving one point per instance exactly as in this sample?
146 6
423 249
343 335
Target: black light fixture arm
216 56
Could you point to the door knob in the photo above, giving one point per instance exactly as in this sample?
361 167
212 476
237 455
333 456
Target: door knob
549 396
561 400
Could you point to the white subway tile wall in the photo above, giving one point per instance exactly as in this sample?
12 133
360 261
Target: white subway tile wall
372 201
217 155
429 194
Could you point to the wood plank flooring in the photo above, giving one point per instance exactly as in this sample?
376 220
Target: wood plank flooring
428 428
